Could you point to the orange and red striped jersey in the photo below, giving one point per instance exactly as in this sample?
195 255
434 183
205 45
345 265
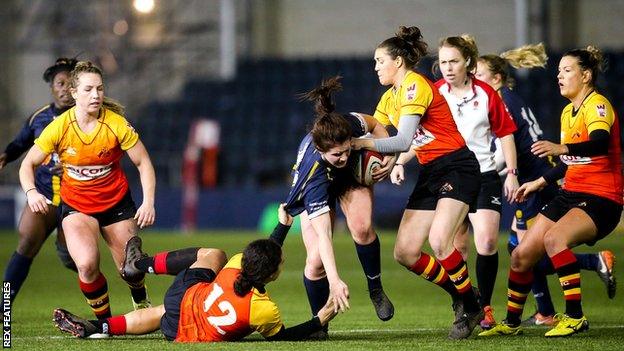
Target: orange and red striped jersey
93 180
437 134
213 311
596 175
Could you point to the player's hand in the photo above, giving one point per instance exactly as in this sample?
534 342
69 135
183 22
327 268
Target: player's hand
327 312
526 189
37 202
544 148
357 143
382 172
397 176
510 187
339 293
145 215
283 216
3 161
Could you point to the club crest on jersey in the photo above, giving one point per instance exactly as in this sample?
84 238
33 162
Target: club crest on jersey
105 152
601 110
71 151
411 92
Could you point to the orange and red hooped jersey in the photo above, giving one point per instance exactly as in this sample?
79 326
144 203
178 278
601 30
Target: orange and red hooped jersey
92 179
213 311
596 175
437 134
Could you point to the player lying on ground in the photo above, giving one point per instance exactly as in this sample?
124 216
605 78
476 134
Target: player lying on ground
207 301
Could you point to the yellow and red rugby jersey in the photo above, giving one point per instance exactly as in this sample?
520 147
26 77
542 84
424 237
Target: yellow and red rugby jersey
437 134
597 175
92 179
213 311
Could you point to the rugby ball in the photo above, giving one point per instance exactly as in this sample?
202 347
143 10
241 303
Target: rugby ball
365 164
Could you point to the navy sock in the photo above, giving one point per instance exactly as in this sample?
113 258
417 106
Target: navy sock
487 268
588 262
542 293
318 293
370 259
17 271
545 266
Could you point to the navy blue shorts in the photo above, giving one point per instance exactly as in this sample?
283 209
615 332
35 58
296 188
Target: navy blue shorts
604 212
455 175
528 209
173 298
124 209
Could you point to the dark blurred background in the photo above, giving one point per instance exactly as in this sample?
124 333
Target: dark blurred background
241 63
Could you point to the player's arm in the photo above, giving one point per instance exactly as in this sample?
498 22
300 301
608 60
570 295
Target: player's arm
398 143
338 290
146 213
283 226
305 329
36 201
22 142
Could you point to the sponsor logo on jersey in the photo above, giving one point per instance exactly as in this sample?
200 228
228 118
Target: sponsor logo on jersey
601 110
422 137
411 92
84 173
575 160
71 151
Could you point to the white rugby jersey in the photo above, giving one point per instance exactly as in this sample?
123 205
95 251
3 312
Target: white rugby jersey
479 116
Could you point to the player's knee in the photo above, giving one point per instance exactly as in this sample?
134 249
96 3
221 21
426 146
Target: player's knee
28 245
405 257
314 269
216 257
519 261
65 257
551 241
88 271
488 246
362 231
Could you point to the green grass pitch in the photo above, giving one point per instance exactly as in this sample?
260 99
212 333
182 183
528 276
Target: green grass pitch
422 311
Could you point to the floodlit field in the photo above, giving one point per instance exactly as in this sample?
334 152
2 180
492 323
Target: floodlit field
422 311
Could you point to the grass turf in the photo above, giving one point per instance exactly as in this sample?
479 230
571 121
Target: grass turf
422 311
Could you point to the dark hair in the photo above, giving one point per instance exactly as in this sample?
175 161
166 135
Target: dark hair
89 67
329 128
62 64
261 259
406 43
589 58
466 45
527 56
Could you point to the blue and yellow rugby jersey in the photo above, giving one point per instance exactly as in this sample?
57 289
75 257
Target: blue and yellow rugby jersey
47 184
312 176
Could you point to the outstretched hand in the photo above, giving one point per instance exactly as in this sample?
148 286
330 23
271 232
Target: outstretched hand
339 294
544 148
145 215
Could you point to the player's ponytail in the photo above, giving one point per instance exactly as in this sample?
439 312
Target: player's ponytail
590 59
329 128
408 44
260 263
527 56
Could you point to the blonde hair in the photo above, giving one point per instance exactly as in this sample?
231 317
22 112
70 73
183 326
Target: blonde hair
527 56
89 67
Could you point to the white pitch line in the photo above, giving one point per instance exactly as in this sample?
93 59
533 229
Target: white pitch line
339 332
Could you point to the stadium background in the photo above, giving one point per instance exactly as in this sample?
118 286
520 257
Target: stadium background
241 62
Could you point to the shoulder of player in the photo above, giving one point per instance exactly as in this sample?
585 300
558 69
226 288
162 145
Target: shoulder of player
45 111
596 99
484 87
235 261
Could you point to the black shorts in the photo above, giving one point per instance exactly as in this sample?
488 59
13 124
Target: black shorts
528 209
173 297
122 210
491 192
455 175
604 212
